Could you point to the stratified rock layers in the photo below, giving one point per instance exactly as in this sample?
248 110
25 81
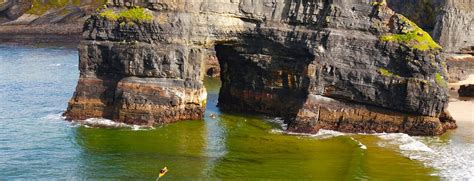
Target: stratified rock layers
135 83
455 25
319 64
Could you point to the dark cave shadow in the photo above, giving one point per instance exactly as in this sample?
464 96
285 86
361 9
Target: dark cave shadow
260 76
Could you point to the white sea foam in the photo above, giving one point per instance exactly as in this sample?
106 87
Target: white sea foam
322 134
107 123
54 65
53 117
452 160
362 146
101 122
405 142
280 122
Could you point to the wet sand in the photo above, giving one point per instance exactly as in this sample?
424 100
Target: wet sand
462 111
469 80
462 108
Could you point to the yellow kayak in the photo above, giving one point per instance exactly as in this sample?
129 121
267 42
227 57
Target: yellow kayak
163 172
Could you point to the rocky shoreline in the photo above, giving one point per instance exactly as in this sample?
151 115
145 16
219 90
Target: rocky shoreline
68 35
346 66
148 69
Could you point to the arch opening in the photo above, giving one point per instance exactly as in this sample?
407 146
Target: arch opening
261 76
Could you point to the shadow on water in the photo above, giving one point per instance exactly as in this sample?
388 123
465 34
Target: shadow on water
231 146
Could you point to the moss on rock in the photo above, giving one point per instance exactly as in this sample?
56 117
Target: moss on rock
387 73
109 14
136 14
39 7
414 37
440 80
379 3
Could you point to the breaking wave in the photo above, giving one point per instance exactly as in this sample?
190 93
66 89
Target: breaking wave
54 65
452 161
283 127
101 122
404 142
53 117
97 123
279 121
361 145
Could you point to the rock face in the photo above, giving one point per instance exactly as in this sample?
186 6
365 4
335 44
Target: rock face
455 26
349 65
44 22
451 22
13 9
466 90
422 12
455 32
37 12
460 67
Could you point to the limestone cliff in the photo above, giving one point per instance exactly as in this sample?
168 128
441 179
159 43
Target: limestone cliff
346 65
455 26
451 22
455 31
422 12
36 12
44 22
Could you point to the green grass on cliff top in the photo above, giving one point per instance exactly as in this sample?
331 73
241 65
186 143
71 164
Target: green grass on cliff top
39 7
136 14
416 39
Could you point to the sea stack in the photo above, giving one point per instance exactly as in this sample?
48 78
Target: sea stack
345 65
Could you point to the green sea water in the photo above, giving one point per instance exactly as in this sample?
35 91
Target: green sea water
233 146
36 143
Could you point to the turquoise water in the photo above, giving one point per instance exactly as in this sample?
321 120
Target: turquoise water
36 143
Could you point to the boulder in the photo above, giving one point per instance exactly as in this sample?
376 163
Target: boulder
466 90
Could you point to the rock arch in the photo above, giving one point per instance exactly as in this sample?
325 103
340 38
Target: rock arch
319 63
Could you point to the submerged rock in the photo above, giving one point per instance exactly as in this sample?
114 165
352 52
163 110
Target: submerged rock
351 66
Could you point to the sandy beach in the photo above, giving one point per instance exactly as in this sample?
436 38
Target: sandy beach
462 109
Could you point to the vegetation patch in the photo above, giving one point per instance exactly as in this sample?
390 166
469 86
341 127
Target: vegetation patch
136 14
416 38
387 73
110 15
129 24
39 7
440 80
378 3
